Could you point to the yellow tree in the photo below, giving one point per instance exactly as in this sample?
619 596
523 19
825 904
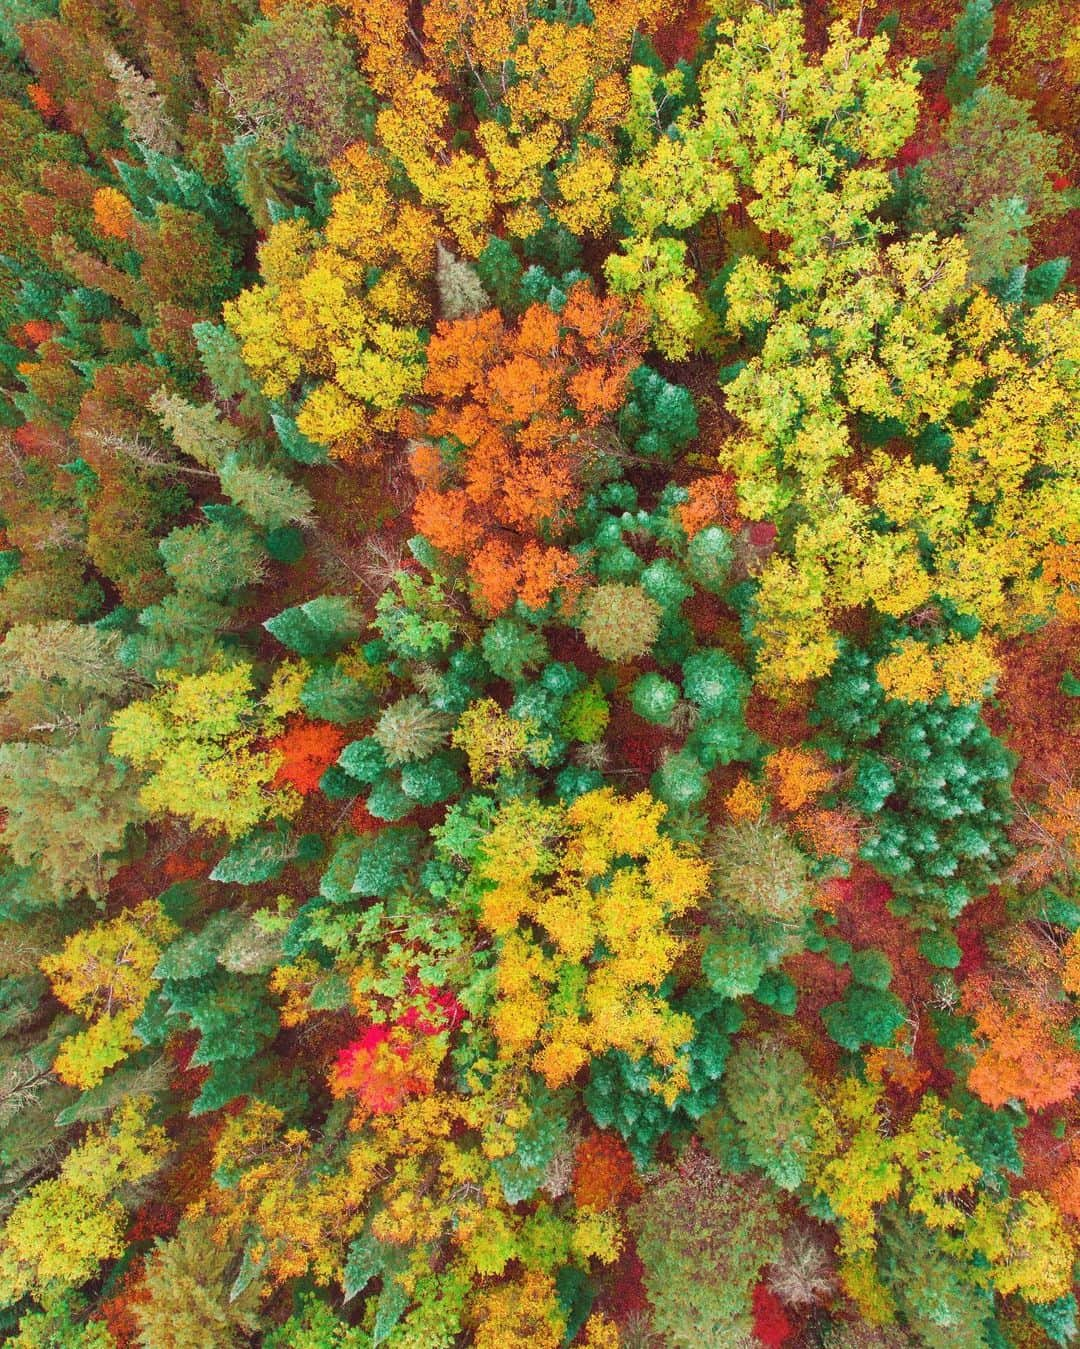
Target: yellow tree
105 973
582 902
838 327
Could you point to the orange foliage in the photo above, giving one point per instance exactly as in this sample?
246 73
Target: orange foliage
528 408
830 833
712 501
309 747
1019 1058
797 776
1061 571
746 800
1065 1188
1048 839
117 1311
112 212
38 330
604 1172
893 1065
42 100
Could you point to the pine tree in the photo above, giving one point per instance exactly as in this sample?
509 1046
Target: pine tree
188 1279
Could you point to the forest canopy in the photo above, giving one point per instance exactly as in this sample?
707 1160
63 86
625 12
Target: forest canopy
539 674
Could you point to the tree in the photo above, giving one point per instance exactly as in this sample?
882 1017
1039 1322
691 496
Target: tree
188 1282
550 871
1018 1055
212 560
105 973
758 870
269 498
703 1236
865 1015
767 1088
619 622
933 779
69 803
530 409
320 627
675 182
297 74
992 152
410 729
195 740
58 1234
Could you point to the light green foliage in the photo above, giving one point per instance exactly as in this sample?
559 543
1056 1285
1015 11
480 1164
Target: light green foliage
654 698
757 869
212 561
268 497
189 1278
410 729
585 715
709 557
510 648
681 781
69 804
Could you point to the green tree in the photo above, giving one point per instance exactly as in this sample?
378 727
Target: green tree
767 1089
268 497
320 627
703 1237
69 803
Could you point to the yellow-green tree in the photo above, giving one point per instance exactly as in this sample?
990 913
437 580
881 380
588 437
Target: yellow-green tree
195 738
58 1234
105 973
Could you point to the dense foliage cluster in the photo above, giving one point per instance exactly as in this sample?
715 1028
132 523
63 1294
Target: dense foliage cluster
539 674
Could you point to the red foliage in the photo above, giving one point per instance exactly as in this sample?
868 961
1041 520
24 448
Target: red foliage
186 1081
434 1009
309 747
604 1172
184 865
771 1325
40 97
778 723
38 330
45 442
153 1219
116 1311
362 819
1037 720
377 1069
